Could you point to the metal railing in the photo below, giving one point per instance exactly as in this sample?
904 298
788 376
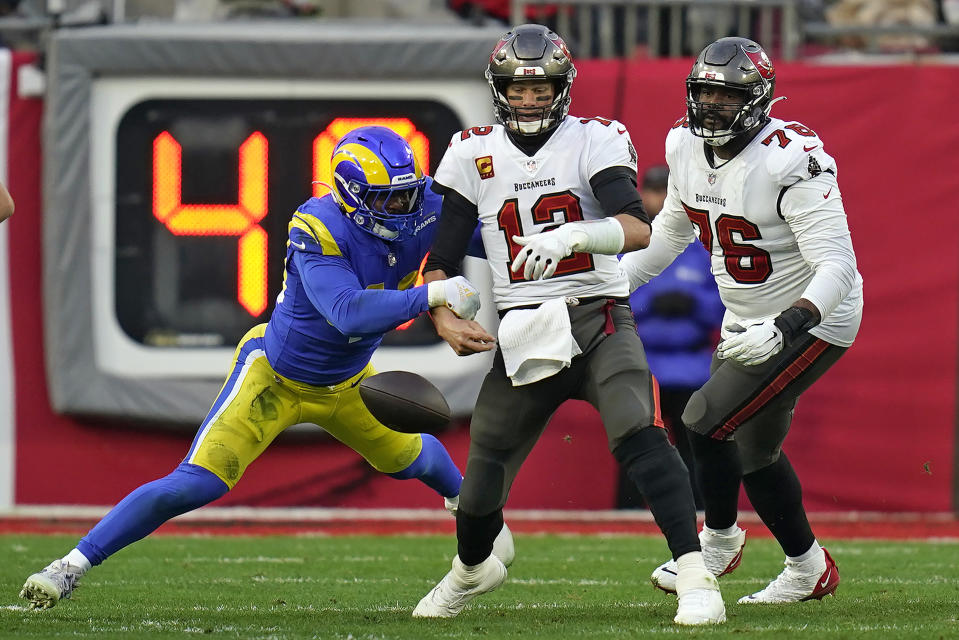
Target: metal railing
612 28
620 28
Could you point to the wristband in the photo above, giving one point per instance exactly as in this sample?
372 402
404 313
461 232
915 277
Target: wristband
794 321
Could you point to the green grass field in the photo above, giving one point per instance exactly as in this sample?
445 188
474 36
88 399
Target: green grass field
364 588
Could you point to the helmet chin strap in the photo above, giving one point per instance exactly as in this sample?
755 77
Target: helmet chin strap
383 232
717 141
532 127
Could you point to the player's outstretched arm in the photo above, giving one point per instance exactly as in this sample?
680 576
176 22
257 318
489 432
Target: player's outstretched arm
465 337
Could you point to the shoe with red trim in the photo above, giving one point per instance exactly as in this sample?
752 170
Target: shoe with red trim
722 554
812 579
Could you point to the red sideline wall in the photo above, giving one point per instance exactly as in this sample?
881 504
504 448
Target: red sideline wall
877 433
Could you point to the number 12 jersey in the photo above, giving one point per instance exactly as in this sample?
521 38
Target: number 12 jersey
517 194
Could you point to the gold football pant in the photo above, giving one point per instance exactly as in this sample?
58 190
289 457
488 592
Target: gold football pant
256 404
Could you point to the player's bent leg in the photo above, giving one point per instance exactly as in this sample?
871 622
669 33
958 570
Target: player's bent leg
654 465
721 539
136 516
776 495
460 586
187 488
399 455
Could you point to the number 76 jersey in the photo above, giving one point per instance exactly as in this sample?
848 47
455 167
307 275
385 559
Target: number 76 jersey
522 195
773 222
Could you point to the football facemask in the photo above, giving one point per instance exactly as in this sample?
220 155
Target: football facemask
378 183
530 52
731 63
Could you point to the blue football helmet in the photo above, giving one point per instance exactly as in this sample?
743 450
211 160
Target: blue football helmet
377 182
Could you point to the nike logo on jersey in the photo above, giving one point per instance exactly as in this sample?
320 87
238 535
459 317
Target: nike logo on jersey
826 195
807 149
621 131
299 245
825 579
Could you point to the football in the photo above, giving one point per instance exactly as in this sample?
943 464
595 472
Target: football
405 401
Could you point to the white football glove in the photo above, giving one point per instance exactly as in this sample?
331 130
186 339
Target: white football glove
542 252
753 345
457 293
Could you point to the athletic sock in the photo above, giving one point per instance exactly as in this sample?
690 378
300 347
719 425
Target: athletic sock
814 551
77 559
728 531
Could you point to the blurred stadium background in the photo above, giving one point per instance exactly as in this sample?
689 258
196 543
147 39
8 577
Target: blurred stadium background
135 260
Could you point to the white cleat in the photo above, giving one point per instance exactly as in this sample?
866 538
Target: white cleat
459 586
812 579
722 554
503 546
700 607
56 582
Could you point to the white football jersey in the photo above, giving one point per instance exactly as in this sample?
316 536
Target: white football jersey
773 221
520 195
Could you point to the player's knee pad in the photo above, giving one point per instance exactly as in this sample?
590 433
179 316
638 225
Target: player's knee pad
393 453
419 465
651 462
696 412
640 443
484 489
754 460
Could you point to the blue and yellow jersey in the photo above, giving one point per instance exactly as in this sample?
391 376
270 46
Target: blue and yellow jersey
343 289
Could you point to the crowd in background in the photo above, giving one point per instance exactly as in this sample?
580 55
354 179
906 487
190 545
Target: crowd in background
930 25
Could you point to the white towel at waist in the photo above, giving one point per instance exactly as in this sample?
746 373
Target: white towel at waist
537 343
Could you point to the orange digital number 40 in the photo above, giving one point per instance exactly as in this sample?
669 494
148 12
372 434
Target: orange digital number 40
242 219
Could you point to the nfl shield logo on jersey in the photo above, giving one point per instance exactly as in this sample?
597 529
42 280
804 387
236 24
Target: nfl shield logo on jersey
711 179
531 165
813 168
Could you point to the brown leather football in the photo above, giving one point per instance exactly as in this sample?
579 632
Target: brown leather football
405 401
